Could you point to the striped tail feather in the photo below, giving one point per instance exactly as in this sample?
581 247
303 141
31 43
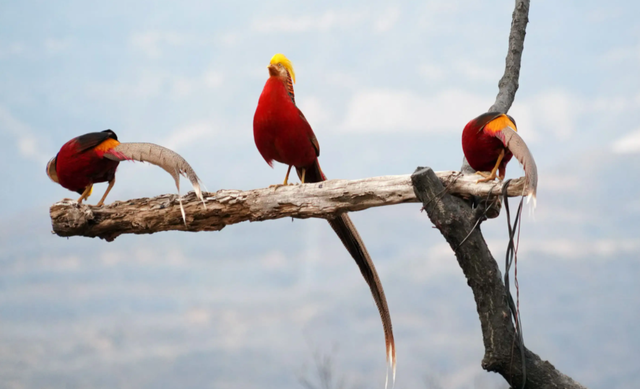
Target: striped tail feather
160 156
348 234
519 149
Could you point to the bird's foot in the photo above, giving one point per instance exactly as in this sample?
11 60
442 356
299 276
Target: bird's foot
487 176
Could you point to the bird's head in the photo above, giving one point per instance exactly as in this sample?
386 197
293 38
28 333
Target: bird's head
280 66
51 170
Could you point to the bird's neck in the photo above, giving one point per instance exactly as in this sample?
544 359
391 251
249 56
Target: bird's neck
275 92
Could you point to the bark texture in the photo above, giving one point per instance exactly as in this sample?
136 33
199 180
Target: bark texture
508 85
225 207
455 219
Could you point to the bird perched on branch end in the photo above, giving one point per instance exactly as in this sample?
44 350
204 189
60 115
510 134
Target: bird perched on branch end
489 141
94 157
282 134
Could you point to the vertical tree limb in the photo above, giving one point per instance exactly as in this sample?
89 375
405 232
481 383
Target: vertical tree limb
508 85
456 220
460 226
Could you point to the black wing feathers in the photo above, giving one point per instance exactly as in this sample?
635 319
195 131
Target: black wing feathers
88 141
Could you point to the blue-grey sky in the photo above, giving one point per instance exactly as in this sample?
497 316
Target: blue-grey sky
387 86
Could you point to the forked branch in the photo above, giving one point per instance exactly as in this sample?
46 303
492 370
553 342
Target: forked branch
459 224
456 220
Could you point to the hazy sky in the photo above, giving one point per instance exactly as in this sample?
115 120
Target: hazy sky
188 76
387 86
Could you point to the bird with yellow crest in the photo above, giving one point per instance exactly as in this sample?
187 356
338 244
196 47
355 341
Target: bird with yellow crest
283 134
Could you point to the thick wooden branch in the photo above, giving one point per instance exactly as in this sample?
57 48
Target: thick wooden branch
456 220
225 207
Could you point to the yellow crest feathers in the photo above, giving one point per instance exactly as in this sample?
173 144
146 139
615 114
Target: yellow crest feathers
284 61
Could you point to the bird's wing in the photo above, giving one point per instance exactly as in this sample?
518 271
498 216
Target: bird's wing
519 149
310 134
483 120
160 156
91 140
314 142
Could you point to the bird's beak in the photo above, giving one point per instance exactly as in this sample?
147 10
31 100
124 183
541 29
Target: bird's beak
273 70
51 170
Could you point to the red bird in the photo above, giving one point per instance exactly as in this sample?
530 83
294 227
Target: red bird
282 133
489 141
94 157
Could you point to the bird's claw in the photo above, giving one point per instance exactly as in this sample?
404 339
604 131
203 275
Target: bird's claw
489 177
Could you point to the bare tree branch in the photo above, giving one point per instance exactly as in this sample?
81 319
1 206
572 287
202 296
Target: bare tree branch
326 374
456 220
459 224
226 207
508 85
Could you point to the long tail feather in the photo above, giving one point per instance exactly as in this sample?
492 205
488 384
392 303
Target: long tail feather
516 145
346 231
160 156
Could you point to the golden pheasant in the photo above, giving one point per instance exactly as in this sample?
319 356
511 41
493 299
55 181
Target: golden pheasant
282 134
489 141
94 157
